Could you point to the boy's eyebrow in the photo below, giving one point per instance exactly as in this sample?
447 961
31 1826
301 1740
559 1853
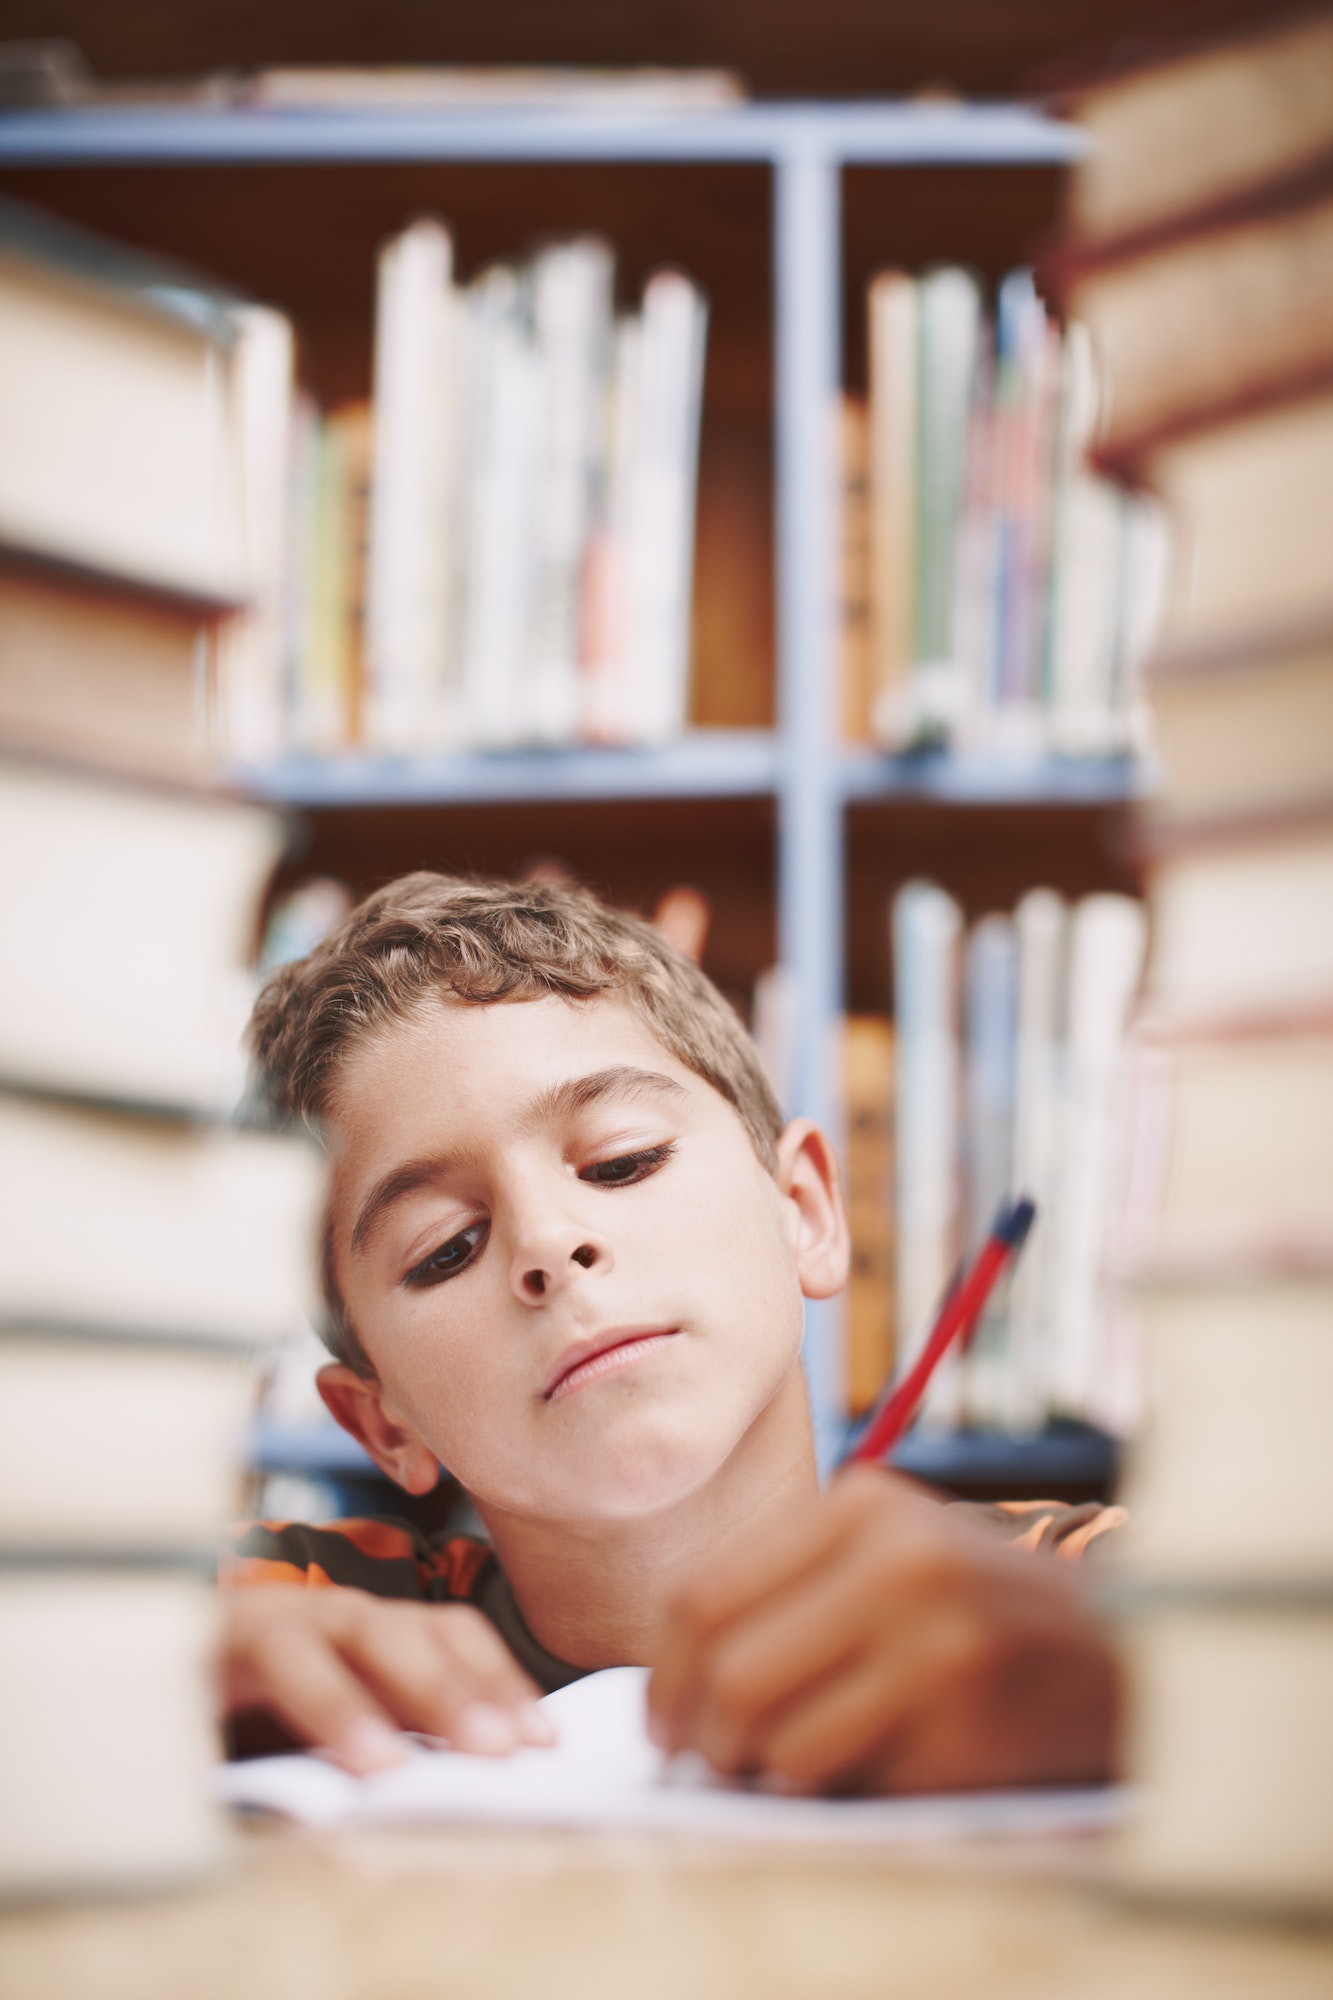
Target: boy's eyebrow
622 1080
561 1100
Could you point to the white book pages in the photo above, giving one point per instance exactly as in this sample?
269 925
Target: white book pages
144 996
107 1731
409 668
571 310
893 476
151 1441
927 940
250 686
1041 927
991 992
1106 949
176 1229
605 1772
506 402
661 528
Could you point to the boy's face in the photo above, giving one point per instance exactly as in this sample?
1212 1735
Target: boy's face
577 1283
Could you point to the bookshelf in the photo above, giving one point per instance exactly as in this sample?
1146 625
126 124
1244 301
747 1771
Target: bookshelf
799 768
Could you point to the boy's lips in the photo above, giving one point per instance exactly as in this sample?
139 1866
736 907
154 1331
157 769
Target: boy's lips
587 1359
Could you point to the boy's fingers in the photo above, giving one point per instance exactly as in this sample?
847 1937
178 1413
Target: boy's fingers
422 1677
770 1559
838 1732
760 1664
497 1676
306 1683
778 1563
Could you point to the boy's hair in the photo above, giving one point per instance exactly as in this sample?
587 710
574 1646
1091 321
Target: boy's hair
483 941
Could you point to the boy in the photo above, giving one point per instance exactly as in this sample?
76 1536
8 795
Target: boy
567 1241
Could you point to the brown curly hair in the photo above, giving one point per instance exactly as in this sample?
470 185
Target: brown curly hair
485 941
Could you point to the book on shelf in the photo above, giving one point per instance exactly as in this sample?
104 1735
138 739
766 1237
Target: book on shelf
1011 1051
54 71
868 1083
1198 249
496 551
1013 589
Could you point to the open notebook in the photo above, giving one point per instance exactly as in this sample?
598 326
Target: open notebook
604 1772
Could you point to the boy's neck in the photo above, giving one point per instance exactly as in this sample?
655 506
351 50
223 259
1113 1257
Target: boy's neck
595 1593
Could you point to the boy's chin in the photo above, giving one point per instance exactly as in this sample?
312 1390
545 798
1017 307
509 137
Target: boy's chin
657 1465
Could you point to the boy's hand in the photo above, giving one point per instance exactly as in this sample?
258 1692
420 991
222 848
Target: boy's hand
345 1671
878 1643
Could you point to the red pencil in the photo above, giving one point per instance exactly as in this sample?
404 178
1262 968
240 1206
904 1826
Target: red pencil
962 1307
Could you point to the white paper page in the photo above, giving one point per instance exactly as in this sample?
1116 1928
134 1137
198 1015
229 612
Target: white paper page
605 1772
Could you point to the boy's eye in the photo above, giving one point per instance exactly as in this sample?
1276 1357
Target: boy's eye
626 1168
449 1259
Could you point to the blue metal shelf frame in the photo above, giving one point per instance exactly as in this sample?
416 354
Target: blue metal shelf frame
806 146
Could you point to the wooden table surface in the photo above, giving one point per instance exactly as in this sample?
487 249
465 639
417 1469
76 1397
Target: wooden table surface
505 1916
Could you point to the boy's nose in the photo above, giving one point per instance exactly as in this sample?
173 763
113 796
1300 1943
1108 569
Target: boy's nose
537 1280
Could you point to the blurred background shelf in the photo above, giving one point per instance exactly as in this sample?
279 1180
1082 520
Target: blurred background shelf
885 133
781 211
711 763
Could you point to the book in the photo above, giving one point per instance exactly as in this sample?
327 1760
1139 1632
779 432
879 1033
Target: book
253 650
1240 918
1014 588
856 608
106 361
121 678
1240 1373
892 306
413 696
990 985
182 1229
165 884
152 1440
1249 496
605 1772
107 1729
1263 285
1232 1147
1228 1711
868 1073
1205 120
1245 725
927 933
465 86
572 320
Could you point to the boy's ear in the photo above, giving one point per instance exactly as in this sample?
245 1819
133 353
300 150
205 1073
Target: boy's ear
807 1175
360 1407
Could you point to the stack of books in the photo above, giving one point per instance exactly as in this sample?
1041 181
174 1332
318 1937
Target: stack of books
149 1242
1012 590
498 549
1199 255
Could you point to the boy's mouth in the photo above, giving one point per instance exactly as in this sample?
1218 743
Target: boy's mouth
588 1359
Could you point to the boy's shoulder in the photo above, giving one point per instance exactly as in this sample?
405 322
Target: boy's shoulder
386 1557
390 1558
